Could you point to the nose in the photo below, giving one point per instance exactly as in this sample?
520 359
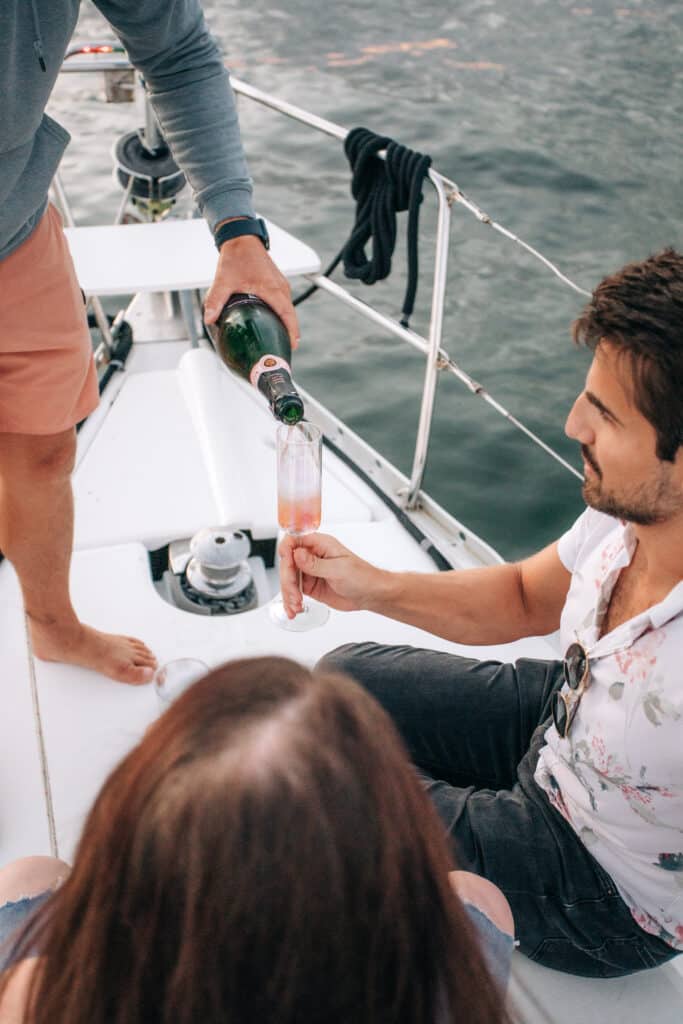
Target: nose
578 425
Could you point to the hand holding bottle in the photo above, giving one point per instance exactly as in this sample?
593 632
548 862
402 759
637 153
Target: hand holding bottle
330 573
245 266
252 340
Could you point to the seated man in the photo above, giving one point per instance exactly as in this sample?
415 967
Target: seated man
561 782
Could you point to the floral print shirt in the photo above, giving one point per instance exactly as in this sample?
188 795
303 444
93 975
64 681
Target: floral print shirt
618 777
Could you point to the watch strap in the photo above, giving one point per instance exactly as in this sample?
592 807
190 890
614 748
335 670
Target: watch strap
245 226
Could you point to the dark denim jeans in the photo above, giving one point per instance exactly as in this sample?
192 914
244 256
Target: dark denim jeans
474 730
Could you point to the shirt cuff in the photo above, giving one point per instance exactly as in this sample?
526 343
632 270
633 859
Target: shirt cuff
235 202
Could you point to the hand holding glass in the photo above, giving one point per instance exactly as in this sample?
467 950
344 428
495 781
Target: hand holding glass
299 492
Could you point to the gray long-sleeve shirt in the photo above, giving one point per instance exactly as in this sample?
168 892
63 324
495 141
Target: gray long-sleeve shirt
168 41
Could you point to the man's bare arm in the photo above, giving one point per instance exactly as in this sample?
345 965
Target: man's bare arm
492 605
471 606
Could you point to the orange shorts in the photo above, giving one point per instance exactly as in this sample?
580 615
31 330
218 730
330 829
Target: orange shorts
48 380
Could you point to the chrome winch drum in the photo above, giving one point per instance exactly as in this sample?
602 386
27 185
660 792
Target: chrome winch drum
218 567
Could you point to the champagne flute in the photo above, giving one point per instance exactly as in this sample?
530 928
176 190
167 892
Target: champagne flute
299 482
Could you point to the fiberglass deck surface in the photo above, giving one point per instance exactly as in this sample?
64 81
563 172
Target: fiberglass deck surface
169 255
164 460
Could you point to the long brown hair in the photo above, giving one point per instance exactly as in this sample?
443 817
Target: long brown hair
265 855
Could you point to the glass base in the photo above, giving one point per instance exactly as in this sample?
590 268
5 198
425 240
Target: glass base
313 615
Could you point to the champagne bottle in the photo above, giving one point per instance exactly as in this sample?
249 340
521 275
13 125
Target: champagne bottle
253 341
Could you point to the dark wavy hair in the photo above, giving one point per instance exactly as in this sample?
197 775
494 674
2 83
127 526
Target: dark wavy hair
639 310
265 855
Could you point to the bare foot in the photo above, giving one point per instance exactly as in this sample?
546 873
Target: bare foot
120 657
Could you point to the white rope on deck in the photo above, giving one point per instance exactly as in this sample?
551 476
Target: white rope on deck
47 789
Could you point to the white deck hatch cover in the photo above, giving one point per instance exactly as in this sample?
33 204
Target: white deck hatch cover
172 255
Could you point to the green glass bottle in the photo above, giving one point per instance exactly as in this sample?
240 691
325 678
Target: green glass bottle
253 341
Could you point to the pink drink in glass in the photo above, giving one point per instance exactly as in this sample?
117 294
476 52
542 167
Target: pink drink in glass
299 515
299 483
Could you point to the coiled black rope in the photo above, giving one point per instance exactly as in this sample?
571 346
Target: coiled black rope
381 188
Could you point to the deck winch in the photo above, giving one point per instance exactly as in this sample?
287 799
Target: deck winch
217 579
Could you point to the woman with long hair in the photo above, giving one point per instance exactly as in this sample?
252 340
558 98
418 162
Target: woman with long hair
265 855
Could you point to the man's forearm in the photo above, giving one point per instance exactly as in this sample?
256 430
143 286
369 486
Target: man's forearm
469 606
210 151
192 98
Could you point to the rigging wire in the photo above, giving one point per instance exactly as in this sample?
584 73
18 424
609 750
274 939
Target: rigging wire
480 392
456 195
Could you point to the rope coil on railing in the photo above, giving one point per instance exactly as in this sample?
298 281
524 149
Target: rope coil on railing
381 188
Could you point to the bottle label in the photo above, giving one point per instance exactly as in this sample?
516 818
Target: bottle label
267 364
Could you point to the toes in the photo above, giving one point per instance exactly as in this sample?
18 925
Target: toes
137 644
136 675
142 651
141 654
145 661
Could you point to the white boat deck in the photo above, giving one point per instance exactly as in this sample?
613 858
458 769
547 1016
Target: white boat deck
173 451
170 451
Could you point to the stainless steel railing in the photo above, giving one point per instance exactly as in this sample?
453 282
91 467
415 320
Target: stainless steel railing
437 359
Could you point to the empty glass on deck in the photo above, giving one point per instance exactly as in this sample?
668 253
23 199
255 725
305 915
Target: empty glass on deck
174 677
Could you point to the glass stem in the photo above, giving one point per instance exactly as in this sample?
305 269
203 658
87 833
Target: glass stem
300 580
300 584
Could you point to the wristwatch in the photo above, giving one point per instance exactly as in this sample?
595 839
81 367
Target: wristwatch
244 226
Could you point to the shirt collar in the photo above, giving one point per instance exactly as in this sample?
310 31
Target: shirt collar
628 632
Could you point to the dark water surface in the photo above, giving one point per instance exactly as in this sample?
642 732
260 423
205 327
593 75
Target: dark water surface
562 121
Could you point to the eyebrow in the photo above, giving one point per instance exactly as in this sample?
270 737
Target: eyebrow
594 400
